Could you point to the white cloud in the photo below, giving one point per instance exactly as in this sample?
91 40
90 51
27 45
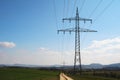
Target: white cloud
97 44
40 56
105 51
7 44
42 49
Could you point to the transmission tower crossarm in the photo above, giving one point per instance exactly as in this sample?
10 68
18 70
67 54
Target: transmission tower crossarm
84 19
69 19
73 30
80 19
66 30
86 30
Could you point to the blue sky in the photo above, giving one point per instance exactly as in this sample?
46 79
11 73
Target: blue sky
28 31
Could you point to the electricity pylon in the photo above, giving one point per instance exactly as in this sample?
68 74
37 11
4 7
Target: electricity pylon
77 30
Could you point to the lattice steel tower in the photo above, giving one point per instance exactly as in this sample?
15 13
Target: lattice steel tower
77 30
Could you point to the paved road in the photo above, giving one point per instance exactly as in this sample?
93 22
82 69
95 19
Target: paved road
64 77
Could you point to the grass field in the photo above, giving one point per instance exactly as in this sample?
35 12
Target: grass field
27 74
89 77
35 74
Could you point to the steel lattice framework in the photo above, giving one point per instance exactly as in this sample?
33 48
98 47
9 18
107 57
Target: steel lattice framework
77 30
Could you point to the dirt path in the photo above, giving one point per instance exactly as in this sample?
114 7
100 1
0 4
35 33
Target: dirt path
64 77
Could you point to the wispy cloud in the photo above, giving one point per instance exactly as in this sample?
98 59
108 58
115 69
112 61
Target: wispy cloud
7 44
105 51
40 56
98 44
102 51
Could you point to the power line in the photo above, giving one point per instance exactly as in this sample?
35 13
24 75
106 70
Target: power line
95 8
54 7
109 4
65 13
74 7
63 8
98 4
55 13
82 6
68 7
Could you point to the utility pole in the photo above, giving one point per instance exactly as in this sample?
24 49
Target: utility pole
77 30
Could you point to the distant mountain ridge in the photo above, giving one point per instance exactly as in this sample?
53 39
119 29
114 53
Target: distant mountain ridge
100 66
114 65
90 66
93 66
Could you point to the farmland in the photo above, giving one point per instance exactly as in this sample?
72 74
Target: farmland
27 74
39 74
98 75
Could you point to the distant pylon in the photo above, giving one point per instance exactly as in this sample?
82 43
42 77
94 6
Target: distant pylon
77 30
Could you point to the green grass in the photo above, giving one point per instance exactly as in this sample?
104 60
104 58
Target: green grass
89 77
27 74
98 75
35 74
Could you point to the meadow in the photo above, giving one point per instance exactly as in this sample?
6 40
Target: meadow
98 75
39 74
27 74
